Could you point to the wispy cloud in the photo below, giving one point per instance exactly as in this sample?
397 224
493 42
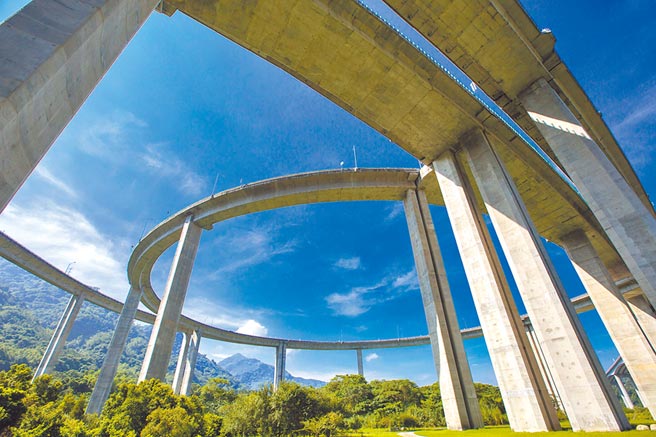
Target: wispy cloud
45 174
393 211
372 356
635 127
245 248
353 263
214 312
121 140
361 299
162 162
62 236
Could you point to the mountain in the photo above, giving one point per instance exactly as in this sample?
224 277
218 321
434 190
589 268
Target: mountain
251 373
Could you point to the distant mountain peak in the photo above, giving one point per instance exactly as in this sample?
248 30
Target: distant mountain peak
252 373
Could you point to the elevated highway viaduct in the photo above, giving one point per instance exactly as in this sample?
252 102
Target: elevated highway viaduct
346 53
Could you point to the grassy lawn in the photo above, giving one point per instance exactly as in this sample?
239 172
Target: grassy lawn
493 431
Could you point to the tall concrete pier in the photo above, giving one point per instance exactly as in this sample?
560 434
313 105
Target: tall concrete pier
461 409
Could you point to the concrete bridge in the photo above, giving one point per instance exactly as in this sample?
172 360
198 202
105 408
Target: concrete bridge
53 54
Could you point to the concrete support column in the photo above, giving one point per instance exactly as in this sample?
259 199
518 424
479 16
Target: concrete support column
190 363
52 55
162 336
628 223
646 317
182 363
360 363
461 409
524 394
108 370
279 368
637 353
544 370
59 337
624 395
582 384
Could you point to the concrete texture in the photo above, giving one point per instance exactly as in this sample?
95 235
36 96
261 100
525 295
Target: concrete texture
181 365
461 409
108 370
59 337
524 394
584 390
280 363
162 336
629 224
547 377
637 353
52 55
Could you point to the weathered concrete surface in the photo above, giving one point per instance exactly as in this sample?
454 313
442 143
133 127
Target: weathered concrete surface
497 44
634 348
524 394
280 364
628 223
181 365
544 369
52 55
584 390
59 336
162 336
108 370
461 409
190 363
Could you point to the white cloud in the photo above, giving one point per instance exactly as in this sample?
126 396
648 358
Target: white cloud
252 327
635 127
45 174
372 356
62 235
361 299
394 211
353 263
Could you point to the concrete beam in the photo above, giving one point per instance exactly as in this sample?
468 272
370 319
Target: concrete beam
59 336
162 336
637 353
624 395
646 317
524 394
584 390
52 55
629 224
544 369
109 367
461 409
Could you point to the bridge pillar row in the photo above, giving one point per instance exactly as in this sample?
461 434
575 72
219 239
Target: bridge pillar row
109 367
65 49
280 363
182 363
524 393
629 224
360 362
542 364
59 337
637 353
582 384
461 409
162 336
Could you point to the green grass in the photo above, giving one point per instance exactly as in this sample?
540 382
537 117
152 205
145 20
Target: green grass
491 431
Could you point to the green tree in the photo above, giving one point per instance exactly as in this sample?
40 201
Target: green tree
352 392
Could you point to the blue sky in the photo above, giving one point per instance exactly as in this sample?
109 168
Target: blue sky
183 105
